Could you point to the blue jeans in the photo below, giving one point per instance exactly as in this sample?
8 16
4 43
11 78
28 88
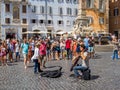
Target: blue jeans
115 55
36 65
77 68
69 53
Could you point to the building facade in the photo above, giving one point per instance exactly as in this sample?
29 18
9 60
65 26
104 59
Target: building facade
97 12
19 16
0 20
114 17
93 17
13 18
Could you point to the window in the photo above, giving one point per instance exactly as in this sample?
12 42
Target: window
24 21
41 21
24 8
49 21
116 12
60 10
7 7
68 22
16 13
67 1
7 20
90 20
90 3
60 22
24 29
75 1
76 12
101 5
101 20
69 11
34 9
42 9
60 1
33 21
50 10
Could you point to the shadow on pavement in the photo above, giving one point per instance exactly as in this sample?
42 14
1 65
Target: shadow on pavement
30 66
71 75
93 77
11 64
50 66
97 56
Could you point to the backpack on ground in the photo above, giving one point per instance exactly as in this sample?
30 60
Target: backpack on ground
86 74
52 73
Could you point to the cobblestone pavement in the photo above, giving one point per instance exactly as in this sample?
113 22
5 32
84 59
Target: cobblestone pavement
105 76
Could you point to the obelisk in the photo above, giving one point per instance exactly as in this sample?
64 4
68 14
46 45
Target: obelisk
81 20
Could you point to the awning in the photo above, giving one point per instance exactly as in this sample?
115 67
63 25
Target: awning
28 32
32 32
60 32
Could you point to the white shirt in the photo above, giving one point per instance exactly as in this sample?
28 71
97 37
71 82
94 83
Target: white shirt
85 63
36 53
17 48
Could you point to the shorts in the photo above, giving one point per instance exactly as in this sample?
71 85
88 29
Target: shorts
48 52
17 54
25 56
90 49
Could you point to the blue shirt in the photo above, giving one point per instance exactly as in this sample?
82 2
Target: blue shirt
86 41
25 47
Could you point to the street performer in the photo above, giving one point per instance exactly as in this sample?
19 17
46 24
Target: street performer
85 61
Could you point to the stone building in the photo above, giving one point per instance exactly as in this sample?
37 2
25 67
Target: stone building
114 17
13 18
96 15
19 16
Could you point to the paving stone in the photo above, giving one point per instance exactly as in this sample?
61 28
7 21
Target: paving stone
105 76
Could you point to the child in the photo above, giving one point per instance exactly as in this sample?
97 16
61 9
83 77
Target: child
36 59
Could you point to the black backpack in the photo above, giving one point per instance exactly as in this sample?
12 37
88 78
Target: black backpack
86 74
52 73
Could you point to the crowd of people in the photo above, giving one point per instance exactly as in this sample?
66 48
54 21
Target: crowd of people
41 50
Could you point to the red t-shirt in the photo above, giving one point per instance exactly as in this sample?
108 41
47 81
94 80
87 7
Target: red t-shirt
68 44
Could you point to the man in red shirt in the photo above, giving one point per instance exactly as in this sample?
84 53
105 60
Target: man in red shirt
68 48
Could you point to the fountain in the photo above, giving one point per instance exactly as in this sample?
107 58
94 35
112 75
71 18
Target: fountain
81 22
